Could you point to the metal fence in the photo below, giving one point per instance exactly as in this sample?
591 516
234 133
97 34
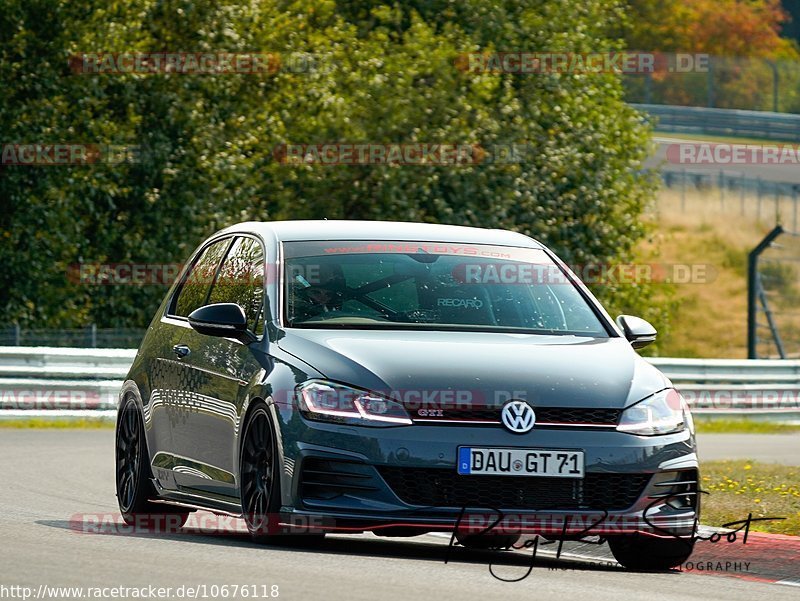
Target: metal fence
749 83
771 201
88 337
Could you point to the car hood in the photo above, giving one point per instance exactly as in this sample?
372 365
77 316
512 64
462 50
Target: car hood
554 371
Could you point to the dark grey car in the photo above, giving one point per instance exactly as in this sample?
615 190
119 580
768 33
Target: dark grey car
401 378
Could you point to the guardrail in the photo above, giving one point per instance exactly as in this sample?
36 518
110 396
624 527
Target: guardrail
757 388
48 382
54 382
724 122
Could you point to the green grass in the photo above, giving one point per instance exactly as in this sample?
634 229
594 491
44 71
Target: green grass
737 488
742 426
56 423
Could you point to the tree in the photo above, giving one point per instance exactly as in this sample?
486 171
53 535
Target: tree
733 28
391 76
742 36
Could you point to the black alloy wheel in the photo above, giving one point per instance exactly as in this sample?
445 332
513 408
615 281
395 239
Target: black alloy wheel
260 497
260 486
134 488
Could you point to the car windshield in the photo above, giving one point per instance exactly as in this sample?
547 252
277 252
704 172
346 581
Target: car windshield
430 285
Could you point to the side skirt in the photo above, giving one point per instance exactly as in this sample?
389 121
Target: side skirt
189 500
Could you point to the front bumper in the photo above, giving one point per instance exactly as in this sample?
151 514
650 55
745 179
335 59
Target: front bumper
345 479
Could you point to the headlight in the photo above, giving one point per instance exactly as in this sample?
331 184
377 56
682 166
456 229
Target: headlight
330 402
662 413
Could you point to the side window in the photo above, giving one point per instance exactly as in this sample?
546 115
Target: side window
241 281
195 287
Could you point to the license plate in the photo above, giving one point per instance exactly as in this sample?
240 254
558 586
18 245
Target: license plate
520 462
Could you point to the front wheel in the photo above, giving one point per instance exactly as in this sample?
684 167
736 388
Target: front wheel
638 552
260 482
258 475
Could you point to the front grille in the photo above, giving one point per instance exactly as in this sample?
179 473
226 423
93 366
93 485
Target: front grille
442 487
558 415
590 416
325 479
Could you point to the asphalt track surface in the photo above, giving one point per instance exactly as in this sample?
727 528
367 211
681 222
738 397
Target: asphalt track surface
52 477
770 448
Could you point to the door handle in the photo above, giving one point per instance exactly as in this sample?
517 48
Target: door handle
181 350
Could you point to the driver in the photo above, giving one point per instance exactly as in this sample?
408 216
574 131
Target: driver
325 293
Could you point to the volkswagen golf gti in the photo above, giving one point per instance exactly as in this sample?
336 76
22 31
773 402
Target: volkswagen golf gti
314 377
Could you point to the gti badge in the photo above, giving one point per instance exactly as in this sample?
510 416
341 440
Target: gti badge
518 416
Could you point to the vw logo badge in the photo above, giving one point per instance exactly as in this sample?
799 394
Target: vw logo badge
518 416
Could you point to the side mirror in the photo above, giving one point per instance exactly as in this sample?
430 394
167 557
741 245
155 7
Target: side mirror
637 331
226 320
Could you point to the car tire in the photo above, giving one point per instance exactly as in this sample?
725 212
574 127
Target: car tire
133 476
260 481
642 553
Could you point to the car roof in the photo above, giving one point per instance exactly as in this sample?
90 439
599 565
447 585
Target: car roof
302 230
